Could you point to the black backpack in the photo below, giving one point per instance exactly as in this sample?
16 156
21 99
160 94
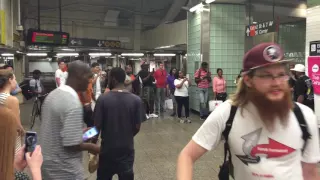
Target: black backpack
226 168
26 89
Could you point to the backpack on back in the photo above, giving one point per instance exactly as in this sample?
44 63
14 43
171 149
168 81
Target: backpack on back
226 168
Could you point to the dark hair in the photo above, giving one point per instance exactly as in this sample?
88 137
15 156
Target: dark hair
172 70
6 67
61 61
219 69
117 74
36 72
5 75
95 64
204 64
176 75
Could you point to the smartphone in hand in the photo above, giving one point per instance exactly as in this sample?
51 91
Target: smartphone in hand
90 134
31 140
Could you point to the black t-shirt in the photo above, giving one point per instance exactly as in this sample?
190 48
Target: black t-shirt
303 86
143 74
292 82
117 114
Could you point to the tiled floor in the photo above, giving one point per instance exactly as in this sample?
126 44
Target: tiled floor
157 147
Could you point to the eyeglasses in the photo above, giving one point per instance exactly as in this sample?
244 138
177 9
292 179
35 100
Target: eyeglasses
270 78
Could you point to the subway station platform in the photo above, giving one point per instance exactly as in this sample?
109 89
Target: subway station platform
157 147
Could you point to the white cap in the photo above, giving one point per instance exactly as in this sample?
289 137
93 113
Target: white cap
299 68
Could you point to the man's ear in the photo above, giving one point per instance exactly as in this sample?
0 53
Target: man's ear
247 80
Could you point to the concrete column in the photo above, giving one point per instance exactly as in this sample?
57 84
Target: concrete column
26 66
6 22
137 33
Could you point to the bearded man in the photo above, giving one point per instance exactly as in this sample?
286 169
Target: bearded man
261 124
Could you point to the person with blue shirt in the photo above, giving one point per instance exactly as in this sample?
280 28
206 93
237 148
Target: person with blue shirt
171 88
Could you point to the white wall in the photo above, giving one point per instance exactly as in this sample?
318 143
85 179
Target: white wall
43 66
164 35
313 34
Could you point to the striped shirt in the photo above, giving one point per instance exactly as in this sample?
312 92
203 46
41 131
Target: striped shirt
3 101
61 127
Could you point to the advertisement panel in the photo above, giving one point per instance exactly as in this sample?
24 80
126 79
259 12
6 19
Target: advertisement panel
314 72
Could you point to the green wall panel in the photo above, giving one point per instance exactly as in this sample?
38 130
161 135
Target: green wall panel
227 38
292 38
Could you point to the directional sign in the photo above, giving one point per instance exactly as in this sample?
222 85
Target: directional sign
81 42
261 28
314 48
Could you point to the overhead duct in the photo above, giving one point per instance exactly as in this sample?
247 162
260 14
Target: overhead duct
111 18
280 10
174 11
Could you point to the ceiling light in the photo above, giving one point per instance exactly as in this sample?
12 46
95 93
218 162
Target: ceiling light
164 55
99 54
196 7
67 49
132 54
10 57
6 54
67 54
254 22
37 54
209 1
164 47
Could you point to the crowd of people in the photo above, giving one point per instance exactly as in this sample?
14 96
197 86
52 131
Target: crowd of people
263 110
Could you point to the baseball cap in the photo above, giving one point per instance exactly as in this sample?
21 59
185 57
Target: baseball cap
299 68
262 55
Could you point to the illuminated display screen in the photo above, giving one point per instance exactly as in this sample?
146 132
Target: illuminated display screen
48 38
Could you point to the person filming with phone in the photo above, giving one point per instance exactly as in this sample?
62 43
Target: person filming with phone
12 165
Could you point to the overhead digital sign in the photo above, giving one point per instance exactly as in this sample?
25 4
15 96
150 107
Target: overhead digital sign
50 38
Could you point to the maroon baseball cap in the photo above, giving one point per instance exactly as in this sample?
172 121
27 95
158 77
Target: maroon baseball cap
262 55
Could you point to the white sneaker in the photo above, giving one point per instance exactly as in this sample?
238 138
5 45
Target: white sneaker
188 120
182 121
153 116
147 116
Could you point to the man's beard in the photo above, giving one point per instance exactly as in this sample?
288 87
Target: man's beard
269 110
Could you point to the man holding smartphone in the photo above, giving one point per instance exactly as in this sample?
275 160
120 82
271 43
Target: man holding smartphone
61 129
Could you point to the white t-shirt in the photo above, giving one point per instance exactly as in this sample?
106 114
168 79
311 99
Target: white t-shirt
183 91
62 76
98 87
36 83
279 151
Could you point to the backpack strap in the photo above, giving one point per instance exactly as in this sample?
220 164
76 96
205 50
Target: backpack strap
303 125
226 132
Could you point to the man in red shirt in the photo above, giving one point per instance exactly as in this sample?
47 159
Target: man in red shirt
161 82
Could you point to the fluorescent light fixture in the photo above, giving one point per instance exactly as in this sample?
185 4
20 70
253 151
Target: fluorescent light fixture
164 55
6 54
164 47
132 54
37 54
210 1
67 54
10 57
196 7
254 22
66 49
99 54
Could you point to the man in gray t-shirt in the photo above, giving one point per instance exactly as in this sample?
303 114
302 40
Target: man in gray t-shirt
62 128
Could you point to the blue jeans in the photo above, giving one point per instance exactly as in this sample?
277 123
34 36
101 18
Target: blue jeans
203 95
160 98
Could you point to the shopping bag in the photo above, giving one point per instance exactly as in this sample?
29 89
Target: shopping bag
213 104
168 104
